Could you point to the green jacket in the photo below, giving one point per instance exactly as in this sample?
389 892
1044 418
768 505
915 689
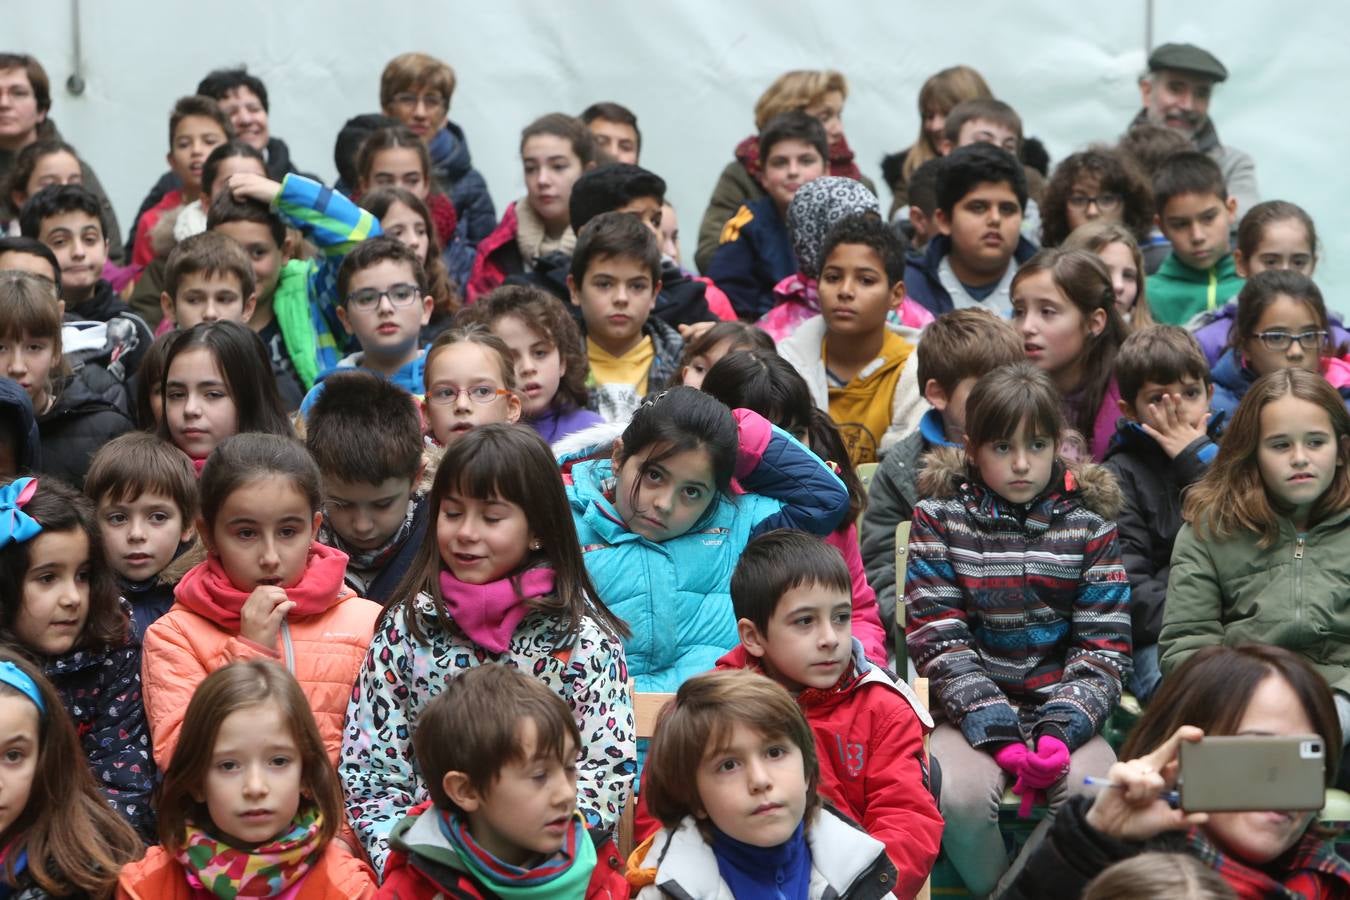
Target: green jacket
1177 292
1294 594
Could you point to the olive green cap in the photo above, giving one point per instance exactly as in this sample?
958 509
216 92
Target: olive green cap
1187 58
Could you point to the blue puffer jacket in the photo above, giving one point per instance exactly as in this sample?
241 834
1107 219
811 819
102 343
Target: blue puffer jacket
453 170
676 595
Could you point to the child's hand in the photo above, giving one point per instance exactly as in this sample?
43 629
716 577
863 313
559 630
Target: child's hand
263 613
1172 432
1136 811
693 332
251 186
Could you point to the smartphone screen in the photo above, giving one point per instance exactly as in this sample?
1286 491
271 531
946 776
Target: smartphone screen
1243 773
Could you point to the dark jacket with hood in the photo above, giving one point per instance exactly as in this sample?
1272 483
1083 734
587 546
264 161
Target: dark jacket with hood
16 417
453 170
90 410
1150 518
125 335
755 253
922 283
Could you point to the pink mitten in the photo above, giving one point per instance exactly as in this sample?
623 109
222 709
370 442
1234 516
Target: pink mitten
1012 757
1048 764
1030 797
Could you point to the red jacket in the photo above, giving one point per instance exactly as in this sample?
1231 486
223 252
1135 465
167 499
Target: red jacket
404 881
490 266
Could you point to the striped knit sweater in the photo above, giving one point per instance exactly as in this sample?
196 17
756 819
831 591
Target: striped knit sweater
1018 615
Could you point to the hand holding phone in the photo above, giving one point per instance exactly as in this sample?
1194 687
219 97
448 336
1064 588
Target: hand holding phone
1135 808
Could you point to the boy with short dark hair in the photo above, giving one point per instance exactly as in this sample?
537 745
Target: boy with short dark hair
923 204
614 280
1196 214
297 299
615 129
982 121
384 301
956 350
497 749
68 219
207 278
365 434
791 596
196 126
146 493
981 196
852 354
755 250
619 187
1164 444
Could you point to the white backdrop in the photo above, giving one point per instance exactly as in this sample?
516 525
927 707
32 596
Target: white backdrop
692 70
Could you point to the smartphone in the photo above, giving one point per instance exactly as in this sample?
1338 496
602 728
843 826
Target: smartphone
1245 773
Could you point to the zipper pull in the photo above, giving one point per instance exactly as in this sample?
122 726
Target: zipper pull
1298 547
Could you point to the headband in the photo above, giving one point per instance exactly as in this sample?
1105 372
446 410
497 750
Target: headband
16 526
18 679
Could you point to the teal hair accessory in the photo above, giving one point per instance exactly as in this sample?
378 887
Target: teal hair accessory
16 526
18 679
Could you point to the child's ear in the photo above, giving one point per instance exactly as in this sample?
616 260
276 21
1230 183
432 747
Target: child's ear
1231 203
897 295
344 318
935 395
461 791
252 303
944 225
513 409
1097 322
1209 393
314 525
428 306
1240 263
189 532
946 146
1126 409
572 290
290 245
616 457
166 305
751 639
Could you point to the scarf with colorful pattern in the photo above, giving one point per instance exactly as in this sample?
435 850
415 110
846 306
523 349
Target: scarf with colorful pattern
1310 870
273 869
565 873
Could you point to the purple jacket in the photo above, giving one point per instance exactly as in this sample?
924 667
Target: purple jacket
1212 329
556 424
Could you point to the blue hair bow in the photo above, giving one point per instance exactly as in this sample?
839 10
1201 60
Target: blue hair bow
16 526
18 679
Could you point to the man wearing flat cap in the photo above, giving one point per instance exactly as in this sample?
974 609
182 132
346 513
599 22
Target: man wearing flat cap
1176 92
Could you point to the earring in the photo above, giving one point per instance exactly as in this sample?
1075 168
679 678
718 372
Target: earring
535 545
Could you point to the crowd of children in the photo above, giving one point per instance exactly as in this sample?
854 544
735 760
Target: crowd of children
340 526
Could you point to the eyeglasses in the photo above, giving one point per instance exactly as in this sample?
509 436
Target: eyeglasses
400 295
1280 340
444 395
1105 202
410 101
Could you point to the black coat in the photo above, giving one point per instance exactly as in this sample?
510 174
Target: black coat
1150 520
90 410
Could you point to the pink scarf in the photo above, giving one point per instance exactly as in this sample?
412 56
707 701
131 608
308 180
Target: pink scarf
489 613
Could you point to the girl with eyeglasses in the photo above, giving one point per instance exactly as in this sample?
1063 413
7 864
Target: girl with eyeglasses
470 380
1095 185
1281 323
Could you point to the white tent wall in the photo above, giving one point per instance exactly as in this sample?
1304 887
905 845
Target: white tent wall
692 70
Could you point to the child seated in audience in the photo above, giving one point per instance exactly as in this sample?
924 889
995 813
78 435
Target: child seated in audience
196 126
1275 234
365 435
145 493
1195 214
77 412
297 298
498 751
981 195
1281 322
470 380
1018 614
1164 442
1115 245
851 355
793 605
209 278
1263 553
52 801
61 608
735 782
755 252
1095 185
549 357
250 805
922 206
703 352
619 187
266 591
614 280
554 150
499 580
1065 308
615 130
821 94
763 381
405 217
940 94
383 302
69 220
43 163
985 120
956 351
1146 146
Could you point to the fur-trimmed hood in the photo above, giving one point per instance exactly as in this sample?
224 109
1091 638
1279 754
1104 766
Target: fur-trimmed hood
944 475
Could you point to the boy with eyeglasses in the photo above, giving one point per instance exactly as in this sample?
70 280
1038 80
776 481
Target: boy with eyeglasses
1196 214
383 300
416 89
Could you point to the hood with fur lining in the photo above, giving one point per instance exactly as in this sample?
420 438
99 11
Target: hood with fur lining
944 472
